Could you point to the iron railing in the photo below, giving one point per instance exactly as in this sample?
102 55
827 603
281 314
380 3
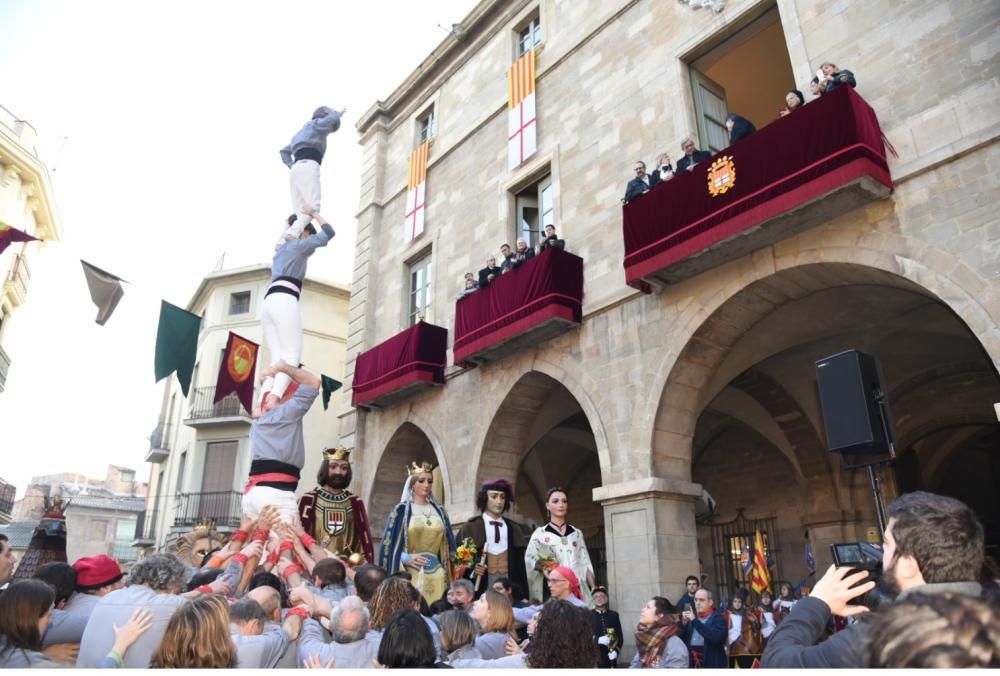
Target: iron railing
202 405
733 551
222 508
145 526
7 493
19 276
160 438
4 368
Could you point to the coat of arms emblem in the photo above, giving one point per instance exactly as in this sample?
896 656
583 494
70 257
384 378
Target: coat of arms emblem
721 176
336 521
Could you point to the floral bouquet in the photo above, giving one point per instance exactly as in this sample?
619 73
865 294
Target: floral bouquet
465 556
547 559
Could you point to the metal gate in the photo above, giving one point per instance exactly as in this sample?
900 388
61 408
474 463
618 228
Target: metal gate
732 541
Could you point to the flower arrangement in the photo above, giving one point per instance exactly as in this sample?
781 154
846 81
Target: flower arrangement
465 556
547 559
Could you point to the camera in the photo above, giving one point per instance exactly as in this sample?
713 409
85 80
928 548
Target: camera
861 556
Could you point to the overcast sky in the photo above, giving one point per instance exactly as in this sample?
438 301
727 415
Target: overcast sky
162 123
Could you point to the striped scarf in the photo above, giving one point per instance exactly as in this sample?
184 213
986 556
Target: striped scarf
650 641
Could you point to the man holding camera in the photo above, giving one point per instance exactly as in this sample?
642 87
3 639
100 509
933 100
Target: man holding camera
932 545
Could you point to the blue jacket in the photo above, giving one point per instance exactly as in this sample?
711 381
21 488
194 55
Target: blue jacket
714 631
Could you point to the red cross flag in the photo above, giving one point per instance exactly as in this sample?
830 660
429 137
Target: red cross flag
415 192
521 127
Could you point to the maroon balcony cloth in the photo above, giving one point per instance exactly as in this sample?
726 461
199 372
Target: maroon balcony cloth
796 159
547 286
417 354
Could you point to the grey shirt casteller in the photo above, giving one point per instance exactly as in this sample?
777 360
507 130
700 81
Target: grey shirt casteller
491 645
261 651
312 135
356 655
116 608
291 257
66 627
277 435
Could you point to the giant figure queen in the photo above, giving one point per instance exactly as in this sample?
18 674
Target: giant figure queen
418 536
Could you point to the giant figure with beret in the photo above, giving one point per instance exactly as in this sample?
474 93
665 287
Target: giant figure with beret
500 543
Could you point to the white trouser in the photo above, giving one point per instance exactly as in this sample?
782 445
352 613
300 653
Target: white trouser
281 319
259 497
303 179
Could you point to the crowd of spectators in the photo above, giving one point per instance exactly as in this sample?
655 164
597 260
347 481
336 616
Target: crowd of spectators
510 260
827 78
301 607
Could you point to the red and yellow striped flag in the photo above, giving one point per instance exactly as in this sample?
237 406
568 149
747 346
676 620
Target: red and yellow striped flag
521 122
760 576
413 223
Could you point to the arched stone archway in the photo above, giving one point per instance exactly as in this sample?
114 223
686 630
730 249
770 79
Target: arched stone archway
760 345
541 437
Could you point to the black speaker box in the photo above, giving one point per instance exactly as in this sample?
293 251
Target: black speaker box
850 387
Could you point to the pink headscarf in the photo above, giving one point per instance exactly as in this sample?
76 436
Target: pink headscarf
574 581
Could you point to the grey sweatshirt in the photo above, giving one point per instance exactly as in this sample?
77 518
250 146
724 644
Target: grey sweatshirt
312 135
277 435
291 258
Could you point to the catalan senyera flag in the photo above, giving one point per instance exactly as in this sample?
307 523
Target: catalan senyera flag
416 193
237 369
760 577
522 139
9 234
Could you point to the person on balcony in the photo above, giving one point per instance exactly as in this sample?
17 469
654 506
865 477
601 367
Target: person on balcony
692 155
470 287
418 536
739 127
490 272
333 515
551 239
281 316
507 264
640 185
833 77
279 447
522 253
303 156
815 89
664 170
793 101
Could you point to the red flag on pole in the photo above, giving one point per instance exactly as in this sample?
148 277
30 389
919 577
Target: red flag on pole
9 234
237 369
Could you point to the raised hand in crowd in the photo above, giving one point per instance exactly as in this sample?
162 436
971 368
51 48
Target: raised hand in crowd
314 662
128 633
836 588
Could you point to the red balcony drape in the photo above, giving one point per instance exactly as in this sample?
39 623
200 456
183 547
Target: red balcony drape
790 162
417 354
548 286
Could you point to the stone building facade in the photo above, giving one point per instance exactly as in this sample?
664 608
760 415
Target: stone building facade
708 383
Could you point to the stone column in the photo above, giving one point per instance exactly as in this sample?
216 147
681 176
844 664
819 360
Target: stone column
652 544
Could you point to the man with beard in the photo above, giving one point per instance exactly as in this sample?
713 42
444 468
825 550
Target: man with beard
932 545
335 517
500 543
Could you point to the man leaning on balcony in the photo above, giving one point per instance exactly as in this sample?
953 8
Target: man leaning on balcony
278 446
692 155
639 185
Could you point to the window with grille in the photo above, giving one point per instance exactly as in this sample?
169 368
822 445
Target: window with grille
239 303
